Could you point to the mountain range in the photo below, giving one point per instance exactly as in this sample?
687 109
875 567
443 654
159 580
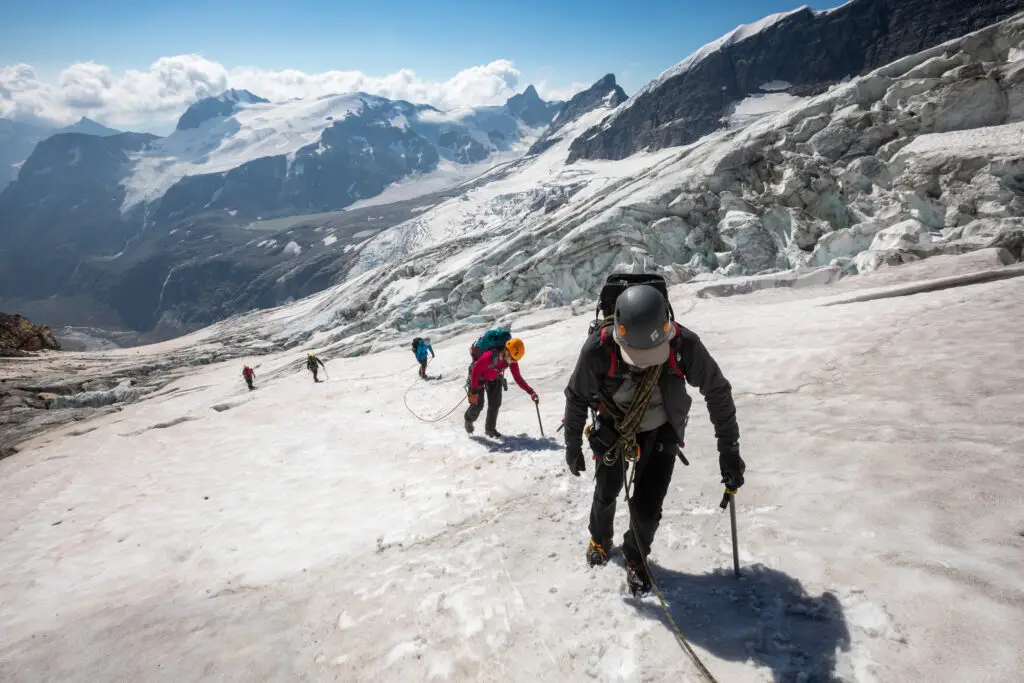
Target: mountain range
252 204
108 224
19 138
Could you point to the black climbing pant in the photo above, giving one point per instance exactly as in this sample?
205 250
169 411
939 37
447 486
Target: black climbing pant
492 397
658 449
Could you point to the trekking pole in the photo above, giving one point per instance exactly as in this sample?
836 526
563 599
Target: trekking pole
539 423
729 499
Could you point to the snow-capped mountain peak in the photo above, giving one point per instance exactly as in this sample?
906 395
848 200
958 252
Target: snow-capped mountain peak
605 94
87 126
531 109
386 139
223 105
240 96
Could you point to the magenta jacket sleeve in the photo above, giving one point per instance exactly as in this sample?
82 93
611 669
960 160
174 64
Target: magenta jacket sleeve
514 367
478 367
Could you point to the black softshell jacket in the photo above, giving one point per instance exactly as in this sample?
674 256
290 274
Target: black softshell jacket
591 376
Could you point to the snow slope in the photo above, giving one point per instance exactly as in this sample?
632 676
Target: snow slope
321 532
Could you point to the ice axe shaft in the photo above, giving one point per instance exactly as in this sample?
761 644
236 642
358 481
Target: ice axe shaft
539 423
729 499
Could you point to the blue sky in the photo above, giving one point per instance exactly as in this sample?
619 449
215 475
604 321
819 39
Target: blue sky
559 41
138 65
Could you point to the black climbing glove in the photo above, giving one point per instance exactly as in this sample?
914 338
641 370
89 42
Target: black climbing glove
575 460
731 464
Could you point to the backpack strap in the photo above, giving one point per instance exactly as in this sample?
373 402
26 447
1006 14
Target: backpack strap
673 356
612 349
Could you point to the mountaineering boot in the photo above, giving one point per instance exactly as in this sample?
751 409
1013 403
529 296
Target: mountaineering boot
493 433
597 553
469 427
637 578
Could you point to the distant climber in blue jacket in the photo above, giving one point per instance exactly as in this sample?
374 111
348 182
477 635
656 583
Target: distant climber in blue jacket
420 347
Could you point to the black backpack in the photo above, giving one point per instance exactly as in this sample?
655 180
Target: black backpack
614 285
416 344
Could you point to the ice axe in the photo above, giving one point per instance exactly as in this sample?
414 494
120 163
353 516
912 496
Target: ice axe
539 423
729 500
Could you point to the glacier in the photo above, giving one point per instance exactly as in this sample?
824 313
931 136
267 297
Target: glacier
882 170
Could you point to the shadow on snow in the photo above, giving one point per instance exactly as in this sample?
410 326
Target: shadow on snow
765 617
519 442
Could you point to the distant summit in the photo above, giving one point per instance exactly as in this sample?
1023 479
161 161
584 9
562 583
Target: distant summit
222 106
87 126
529 108
604 93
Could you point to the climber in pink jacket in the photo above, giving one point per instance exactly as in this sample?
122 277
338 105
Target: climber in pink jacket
487 378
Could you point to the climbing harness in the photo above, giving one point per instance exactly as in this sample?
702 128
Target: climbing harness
627 422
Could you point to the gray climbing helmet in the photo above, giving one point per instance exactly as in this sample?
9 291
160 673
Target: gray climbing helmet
643 326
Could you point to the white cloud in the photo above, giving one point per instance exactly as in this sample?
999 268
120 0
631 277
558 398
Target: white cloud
160 94
479 85
551 93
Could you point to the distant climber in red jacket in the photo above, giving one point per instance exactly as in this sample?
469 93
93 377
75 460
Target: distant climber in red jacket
487 377
249 374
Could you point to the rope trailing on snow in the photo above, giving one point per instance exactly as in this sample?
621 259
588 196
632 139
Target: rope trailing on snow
405 400
626 450
680 638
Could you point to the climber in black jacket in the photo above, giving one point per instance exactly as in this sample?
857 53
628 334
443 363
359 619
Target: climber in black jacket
642 359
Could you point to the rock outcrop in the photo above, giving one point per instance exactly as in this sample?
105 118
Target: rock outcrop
19 336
